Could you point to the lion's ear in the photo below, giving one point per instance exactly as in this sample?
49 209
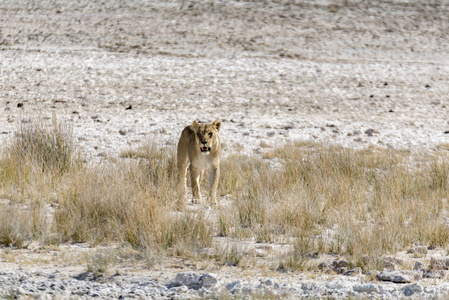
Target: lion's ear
217 125
195 125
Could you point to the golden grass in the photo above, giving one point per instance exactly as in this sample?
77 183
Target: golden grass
19 225
360 204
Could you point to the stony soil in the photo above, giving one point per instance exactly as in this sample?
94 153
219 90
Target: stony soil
122 73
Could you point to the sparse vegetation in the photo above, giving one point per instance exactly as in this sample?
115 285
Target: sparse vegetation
100 261
37 147
360 204
19 225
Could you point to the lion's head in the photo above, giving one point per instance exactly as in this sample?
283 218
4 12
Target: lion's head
206 135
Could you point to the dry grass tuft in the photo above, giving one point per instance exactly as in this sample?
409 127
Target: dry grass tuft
360 204
19 225
100 261
37 147
131 202
187 233
32 165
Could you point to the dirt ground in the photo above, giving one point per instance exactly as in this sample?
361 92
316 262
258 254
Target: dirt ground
130 71
122 73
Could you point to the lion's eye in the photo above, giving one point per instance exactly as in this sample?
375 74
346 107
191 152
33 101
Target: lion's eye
210 134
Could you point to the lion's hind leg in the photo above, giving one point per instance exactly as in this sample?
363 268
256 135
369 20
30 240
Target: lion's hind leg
183 163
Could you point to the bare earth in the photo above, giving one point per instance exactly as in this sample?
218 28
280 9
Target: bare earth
126 72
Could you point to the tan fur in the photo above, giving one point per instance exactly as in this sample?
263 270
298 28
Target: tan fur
193 139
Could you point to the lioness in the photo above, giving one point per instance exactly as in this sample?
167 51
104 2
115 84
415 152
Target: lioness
199 144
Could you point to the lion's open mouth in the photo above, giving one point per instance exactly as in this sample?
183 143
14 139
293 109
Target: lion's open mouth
205 149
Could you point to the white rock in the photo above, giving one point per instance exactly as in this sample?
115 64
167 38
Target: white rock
419 266
188 279
309 286
179 289
439 263
21 291
233 285
336 285
412 289
366 288
394 276
208 280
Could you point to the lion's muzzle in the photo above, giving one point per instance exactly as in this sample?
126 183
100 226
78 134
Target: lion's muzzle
205 150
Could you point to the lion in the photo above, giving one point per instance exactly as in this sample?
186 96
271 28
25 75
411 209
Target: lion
200 145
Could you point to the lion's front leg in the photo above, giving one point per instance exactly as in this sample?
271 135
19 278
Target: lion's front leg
214 176
195 180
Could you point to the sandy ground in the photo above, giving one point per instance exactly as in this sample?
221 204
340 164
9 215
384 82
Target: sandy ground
123 73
